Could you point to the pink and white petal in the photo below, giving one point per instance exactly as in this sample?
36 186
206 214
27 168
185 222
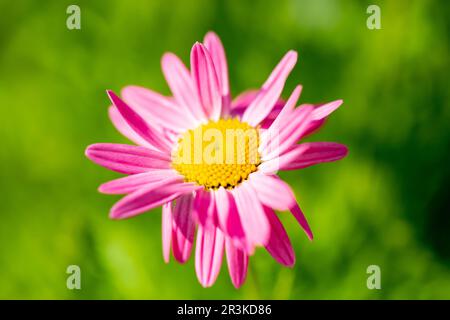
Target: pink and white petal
127 159
206 81
204 208
283 68
283 161
181 84
147 198
208 254
260 108
287 109
266 123
307 154
292 129
272 191
139 125
223 207
325 110
124 128
279 245
271 90
286 132
144 99
237 261
228 217
183 228
166 230
270 167
319 115
136 181
252 216
313 126
215 48
157 109
243 100
277 194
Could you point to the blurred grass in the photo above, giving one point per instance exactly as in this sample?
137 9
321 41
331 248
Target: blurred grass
385 204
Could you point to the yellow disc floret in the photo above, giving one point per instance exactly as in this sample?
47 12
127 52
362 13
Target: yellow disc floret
219 153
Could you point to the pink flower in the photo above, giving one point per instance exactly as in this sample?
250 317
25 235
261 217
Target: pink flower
227 205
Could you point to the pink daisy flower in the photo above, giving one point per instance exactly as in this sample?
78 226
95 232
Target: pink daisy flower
222 192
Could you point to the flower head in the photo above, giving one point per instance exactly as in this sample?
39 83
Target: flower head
211 161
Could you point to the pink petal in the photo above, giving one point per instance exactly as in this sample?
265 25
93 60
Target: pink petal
292 128
277 194
181 85
223 207
204 207
228 217
279 245
313 127
157 109
237 261
205 81
288 107
282 114
215 48
319 115
282 70
134 182
267 122
183 228
208 254
324 110
253 218
301 219
138 124
123 127
166 230
126 158
306 154
272 191
270 91
242 101
145 199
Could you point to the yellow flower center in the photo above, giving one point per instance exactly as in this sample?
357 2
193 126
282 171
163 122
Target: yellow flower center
219 153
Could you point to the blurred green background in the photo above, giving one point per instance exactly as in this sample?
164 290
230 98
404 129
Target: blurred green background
386 204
